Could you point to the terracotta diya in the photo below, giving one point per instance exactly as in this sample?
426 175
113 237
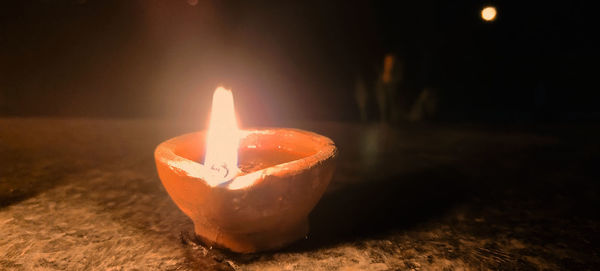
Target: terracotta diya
255 189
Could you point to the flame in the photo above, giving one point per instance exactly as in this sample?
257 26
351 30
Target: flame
222 139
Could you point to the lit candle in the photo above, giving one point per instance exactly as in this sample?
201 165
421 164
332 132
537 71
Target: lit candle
255 188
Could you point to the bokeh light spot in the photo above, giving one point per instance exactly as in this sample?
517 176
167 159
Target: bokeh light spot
488 13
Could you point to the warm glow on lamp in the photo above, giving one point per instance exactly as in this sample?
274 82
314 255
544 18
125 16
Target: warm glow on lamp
257 201
488 13
223 138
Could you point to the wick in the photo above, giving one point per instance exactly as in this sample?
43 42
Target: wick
221 168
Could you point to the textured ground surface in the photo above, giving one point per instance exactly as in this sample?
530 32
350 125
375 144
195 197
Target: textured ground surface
82 194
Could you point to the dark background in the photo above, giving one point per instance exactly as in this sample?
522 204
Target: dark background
289 60
515 188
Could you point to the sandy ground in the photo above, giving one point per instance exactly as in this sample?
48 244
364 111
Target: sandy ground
83 194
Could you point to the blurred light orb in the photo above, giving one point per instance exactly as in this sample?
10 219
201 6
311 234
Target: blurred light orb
192 2
488 13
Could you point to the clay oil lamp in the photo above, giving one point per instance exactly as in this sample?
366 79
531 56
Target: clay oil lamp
246 190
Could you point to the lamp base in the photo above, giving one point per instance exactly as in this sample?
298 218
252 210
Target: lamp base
251 242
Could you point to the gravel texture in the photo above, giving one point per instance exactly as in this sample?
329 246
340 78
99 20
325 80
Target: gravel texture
83 194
